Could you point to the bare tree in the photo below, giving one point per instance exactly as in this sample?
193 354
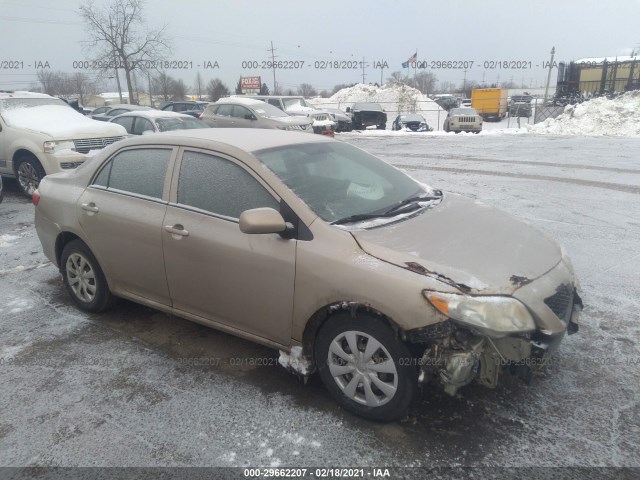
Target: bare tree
163 85
118 34
396 76
178 90
49 81
238 86
325 94
216 89
339 87
424 81
198 85
307 90
264 90
82 85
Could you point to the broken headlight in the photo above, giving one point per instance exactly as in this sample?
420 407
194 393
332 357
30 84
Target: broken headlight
496 316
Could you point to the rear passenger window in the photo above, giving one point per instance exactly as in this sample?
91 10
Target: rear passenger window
140 171
126 122
220 186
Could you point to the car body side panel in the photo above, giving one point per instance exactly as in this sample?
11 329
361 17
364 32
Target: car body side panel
332 268
128 247
218 272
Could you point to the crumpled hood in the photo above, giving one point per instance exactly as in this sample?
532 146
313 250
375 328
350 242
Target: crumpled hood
470 246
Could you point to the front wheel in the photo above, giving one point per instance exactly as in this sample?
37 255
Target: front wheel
382 126
365 367
29 172
83 278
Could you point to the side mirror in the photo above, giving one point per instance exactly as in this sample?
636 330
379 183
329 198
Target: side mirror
348 109
249 116
262 220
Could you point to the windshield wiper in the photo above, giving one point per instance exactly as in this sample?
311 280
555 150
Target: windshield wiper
357 218
414 199
393 211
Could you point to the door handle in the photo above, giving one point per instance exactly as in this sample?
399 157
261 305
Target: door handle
176 230
90 207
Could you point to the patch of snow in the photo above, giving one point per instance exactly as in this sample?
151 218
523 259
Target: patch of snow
16 305
294 361
59 121
599 116
7 240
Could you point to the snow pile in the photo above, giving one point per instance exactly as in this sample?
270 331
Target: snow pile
395 98
599 116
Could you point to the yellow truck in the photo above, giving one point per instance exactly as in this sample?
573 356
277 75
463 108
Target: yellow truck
491 103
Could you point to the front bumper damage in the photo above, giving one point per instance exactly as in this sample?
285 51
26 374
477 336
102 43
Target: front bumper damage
457 355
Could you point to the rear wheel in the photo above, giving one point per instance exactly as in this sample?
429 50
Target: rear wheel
29 172
83 278
365 367
1 190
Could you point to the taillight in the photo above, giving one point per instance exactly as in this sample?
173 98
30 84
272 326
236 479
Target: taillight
35 198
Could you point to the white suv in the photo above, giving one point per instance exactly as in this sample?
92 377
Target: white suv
40 135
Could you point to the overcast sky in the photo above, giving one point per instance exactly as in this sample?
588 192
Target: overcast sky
232 32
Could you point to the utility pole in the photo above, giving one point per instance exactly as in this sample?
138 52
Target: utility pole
363 74
546 89
150 94
464 83
273 64
115 66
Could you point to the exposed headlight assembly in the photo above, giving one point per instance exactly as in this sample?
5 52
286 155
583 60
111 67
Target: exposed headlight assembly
496 316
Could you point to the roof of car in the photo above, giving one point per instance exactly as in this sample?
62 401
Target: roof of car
247 139
127 106
153 114
241 101
24 94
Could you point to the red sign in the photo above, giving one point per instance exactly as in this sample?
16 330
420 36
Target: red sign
250 83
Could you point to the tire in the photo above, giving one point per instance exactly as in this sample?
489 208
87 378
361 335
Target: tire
29 172
377 393
382 126
84 279
1 190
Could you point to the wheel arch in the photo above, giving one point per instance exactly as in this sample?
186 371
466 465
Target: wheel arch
322 315
61 241
23 152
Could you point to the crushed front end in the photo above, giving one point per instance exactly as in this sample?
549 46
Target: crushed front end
486 336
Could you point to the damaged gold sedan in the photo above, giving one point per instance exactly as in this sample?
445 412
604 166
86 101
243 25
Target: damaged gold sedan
309 245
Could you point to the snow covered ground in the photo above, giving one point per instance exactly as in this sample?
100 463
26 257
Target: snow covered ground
136 387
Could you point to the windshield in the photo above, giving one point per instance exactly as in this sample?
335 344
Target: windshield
8 103
167 124
411 118
367 106
337 180
295 104
464 111
268 111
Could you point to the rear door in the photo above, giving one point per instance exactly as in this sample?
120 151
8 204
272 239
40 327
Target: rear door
121 214
214 270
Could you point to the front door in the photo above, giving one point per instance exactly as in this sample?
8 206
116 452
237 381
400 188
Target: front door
213 269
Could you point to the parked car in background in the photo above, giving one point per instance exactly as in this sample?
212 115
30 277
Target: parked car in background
40 135
343 121
466 102
298 106
241 112
463 120
411 121
314 247
117 110
99 110
152 121
367 114
446 101
193 108
520 106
